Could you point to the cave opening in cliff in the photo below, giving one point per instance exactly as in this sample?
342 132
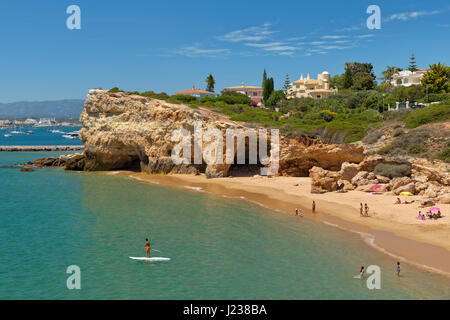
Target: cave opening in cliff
246 169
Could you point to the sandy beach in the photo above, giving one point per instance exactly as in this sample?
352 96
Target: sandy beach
391 228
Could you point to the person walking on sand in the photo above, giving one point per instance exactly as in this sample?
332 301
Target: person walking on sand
296 211
147 247
366 210
361 210
314 206
398 269
300 213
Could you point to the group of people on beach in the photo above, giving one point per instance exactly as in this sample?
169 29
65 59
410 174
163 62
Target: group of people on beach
299 212
364 210
429 215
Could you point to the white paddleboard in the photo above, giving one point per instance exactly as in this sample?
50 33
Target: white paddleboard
150 259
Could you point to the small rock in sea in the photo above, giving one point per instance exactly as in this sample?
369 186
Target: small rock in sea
26 169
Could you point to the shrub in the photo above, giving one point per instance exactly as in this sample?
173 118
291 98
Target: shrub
413 142
208 99
432 113
444 155
275 96
392 170
154 95
115 89
417 149
373 137
231 97
397 132
185 98
328 115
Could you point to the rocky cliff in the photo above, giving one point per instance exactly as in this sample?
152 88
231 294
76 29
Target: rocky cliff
123 130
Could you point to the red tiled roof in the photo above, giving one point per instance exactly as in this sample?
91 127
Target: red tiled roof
194 91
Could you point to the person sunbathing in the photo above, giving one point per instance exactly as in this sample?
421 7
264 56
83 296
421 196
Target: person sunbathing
398 201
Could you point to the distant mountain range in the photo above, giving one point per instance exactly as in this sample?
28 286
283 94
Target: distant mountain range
70 108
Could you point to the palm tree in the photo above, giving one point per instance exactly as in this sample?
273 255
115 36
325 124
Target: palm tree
210 82
389 73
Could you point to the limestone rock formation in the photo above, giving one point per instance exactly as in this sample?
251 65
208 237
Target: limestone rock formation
348 171
296 159
323 180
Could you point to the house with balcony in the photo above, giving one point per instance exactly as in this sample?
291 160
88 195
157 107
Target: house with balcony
406 78
311 88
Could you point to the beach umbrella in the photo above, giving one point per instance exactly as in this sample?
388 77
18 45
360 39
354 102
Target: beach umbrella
406 193
434 209
375 187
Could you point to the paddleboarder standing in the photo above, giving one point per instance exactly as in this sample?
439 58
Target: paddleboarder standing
147 247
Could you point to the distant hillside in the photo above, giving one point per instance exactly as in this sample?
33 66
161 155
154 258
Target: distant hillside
70 108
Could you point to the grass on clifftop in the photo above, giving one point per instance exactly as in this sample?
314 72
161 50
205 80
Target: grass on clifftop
432 113
345 117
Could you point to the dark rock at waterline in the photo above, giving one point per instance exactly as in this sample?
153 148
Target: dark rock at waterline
26 169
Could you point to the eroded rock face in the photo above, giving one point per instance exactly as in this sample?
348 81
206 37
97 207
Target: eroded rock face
410 187
122 131
348 171
296 159
323 180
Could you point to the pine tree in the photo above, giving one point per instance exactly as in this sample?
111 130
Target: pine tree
287 84
412 63
210 82
264 77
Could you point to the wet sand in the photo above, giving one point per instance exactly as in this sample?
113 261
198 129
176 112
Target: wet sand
392 229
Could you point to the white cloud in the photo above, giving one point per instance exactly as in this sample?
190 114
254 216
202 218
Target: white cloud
286 53
280 48
256 33
264 45
365 36
195 51
335 47
295 38
334 37
405 16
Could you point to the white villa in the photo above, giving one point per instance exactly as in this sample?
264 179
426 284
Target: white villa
407 78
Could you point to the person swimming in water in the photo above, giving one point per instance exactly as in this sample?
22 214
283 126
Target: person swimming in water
361 272
398 269
147 247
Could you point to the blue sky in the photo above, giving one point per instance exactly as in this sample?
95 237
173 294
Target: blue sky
170 46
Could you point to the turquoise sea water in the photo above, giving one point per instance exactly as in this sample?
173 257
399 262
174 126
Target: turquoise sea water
221 248
41 136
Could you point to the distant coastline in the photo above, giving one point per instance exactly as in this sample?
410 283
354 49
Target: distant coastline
42 148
